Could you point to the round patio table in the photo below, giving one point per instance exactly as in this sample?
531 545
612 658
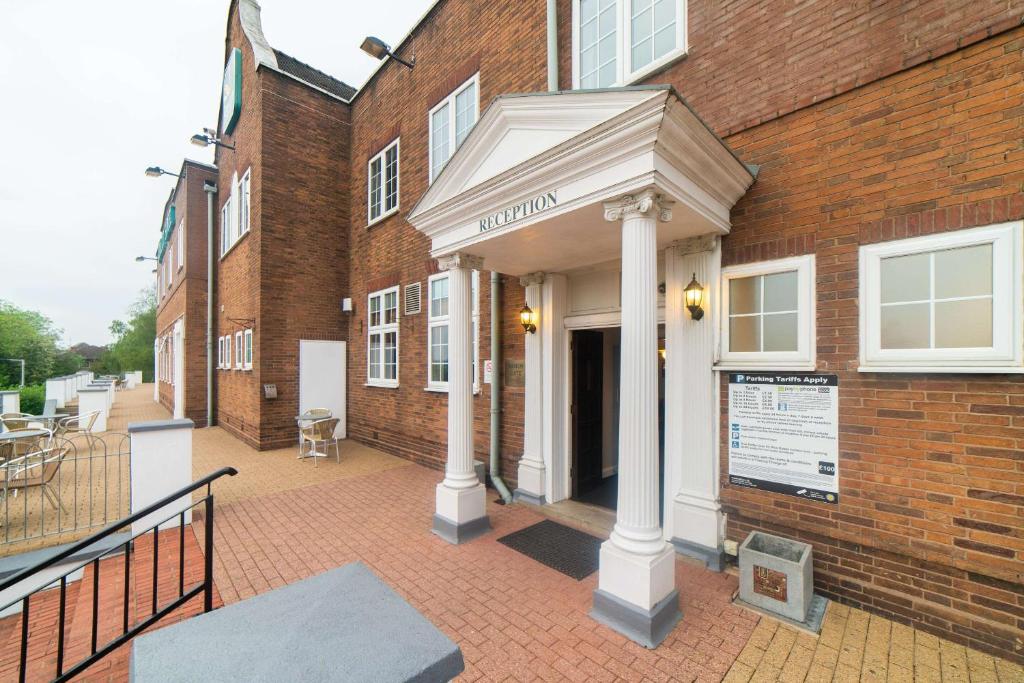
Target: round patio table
23 434
48 420
306 417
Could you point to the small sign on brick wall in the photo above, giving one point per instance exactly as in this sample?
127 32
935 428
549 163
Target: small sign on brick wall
515 373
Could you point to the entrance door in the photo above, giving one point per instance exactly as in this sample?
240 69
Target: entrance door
587 410
322 379
178 359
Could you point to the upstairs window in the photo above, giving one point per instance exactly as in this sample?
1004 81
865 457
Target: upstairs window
617 42
768 315
239 350
382 184
227 352
243 204
225 227
382 339
946 302
180 247
247 357
450 121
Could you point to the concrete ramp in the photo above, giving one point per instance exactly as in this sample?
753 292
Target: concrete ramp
342 625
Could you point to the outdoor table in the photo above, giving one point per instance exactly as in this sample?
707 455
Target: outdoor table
48 419
306 417
23 434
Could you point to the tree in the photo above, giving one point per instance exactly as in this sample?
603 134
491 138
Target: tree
133 340
29 335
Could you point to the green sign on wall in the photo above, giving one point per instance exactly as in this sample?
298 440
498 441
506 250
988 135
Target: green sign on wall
231 92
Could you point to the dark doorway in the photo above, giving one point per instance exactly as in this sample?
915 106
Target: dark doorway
587 411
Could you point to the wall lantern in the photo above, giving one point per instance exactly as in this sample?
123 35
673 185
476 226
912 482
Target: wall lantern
694 297
528 319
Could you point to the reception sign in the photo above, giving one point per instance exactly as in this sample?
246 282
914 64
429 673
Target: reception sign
231 92
784 434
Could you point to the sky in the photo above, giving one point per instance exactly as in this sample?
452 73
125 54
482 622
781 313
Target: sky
91 93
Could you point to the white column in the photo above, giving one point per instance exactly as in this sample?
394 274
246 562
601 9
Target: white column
94 399
461 512
532 475
55 391
161 463
693 514
555 378
156 370
636 592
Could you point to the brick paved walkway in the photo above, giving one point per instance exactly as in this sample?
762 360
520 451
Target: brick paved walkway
281 520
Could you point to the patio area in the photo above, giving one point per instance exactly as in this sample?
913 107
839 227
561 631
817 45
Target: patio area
281 520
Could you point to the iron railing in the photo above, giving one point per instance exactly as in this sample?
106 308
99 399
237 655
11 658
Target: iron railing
89 488
128 630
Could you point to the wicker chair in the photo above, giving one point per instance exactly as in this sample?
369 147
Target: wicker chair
36 470
70 427
319 433
16 448
14 421
313 414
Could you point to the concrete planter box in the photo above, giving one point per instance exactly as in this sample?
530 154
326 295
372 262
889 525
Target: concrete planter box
777 575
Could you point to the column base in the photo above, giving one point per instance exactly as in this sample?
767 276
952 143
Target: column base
531 482
646 627
713 558
636 594
461 514
523 496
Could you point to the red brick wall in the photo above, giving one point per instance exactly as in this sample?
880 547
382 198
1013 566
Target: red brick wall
505 42
928 528
186 298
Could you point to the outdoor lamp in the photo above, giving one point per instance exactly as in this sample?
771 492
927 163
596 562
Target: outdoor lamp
156 172
528 319
378 49
140 259
693 295
208 137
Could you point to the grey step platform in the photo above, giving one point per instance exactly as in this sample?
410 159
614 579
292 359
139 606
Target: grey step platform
342 625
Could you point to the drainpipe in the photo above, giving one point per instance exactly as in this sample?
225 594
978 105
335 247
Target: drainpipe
552 45
211 190
496 390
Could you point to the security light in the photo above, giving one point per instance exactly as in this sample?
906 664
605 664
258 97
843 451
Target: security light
200 140
140 259
378 49
207 138
156 172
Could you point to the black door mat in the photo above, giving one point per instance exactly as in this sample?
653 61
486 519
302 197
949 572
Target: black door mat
564 549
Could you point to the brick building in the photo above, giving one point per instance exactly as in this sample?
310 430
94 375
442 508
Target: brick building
181 281
841 182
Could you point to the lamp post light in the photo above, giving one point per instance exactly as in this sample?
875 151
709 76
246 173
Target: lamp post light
209 137
378 49
156 172
140 259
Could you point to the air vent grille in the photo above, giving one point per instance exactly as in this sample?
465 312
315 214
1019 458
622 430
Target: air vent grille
412 298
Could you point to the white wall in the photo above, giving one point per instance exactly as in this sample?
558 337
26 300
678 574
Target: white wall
322 379
161 463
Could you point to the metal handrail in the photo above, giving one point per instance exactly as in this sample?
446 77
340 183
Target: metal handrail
103 533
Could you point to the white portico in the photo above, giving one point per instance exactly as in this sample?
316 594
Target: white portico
584 195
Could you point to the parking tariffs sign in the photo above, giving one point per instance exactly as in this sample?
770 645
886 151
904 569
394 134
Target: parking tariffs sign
784 434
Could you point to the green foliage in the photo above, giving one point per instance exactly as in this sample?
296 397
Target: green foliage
133 345
29 335
67 363
32 398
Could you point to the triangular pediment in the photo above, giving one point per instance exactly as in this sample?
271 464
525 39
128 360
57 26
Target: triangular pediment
517 128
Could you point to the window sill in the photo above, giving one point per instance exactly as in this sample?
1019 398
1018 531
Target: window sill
946 369
731 366
381 218
235 244
444 390
382 385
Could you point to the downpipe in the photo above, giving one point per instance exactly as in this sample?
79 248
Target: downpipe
495 465
211 190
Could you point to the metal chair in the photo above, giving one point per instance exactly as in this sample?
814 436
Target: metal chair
14 421
313 414
319 433
69 427
36 470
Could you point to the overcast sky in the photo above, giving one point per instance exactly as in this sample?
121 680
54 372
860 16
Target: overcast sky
92 94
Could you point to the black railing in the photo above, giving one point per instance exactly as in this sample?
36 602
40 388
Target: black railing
128 631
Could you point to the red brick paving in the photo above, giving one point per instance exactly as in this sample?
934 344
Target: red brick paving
512 617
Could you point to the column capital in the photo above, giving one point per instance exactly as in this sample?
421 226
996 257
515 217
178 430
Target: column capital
532 279
460 260
641 204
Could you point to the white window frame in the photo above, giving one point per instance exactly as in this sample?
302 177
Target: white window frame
225 228
442 321
801 359
180 247
220 352
382 157
450 100
380 330
623 44
227 352
168 274
247 350
244 204
1005 353
239 342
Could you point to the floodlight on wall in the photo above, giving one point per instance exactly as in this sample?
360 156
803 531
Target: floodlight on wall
378 49
140 259
207 138
156 172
